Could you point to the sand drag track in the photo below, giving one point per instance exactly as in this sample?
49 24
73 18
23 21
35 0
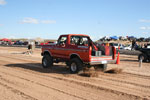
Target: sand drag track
23 78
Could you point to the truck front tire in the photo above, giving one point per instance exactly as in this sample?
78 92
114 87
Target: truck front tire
75 65
143 57
47 61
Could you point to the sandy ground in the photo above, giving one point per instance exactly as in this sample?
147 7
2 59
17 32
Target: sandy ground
23 78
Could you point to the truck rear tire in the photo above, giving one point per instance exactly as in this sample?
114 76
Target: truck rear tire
47 61
75 65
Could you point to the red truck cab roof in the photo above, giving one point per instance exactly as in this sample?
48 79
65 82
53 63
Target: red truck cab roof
74 35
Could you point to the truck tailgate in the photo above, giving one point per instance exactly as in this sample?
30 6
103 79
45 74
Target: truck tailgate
101 60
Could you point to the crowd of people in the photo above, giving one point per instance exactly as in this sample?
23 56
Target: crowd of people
136 45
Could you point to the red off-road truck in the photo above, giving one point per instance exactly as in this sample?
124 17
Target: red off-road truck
78 51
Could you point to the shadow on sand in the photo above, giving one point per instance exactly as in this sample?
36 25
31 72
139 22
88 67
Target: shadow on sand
60 69
129 60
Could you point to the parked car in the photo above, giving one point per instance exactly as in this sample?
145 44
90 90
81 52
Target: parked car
0 42
18 43
148 45
47 43
116 45
129 47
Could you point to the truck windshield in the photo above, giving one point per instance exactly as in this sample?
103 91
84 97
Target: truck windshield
62 40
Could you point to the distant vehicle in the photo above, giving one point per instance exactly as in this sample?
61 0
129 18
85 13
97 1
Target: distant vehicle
148 45
25 43
116 45
18 43
0 42
129 47
5 41
41 43
145 55
47 43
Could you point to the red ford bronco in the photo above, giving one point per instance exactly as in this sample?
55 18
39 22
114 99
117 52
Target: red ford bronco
78 51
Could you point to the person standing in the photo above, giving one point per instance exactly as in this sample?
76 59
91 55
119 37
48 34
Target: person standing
133 45
32 47
29 48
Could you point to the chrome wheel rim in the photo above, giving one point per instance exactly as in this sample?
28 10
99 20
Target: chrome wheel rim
73 67
142 57
45 62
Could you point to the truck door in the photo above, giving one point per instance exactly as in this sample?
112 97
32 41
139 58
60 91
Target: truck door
60 49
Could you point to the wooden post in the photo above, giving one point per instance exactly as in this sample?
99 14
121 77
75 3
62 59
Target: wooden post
140 62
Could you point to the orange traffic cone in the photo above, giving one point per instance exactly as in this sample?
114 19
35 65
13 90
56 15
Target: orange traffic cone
118 60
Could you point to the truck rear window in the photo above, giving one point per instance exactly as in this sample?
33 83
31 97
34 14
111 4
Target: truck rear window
79 40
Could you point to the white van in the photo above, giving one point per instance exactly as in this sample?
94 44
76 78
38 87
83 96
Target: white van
116 45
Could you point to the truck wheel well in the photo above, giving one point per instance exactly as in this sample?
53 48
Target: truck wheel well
47 53
75 56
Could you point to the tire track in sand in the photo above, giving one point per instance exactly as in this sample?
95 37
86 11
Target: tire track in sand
84 84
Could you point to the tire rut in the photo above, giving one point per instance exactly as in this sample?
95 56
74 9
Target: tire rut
84 83
8 81
37 61
18 92
115 80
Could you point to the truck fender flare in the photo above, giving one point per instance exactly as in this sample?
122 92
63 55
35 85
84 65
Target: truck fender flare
47 52
75 55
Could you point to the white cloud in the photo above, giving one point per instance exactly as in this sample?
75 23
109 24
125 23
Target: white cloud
144 20
145 32
29 20
48 21
145 28
2 2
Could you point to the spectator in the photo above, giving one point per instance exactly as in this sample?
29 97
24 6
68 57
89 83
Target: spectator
133 44
31 47
145 45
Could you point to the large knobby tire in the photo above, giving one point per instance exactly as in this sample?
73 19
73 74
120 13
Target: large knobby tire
102 67
143 57
47 61
75 65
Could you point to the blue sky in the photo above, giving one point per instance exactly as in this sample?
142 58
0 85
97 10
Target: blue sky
51 18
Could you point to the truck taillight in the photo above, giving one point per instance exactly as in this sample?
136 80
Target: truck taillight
90 52
114 52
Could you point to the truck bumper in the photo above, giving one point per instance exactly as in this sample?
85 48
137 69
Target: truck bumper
102 62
